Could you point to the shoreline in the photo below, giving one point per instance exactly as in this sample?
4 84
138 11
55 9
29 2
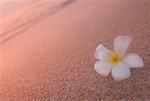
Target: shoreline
25 18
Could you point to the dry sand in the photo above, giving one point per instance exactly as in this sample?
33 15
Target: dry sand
53 60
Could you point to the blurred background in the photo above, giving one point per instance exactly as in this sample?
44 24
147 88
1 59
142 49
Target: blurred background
9 6
18 14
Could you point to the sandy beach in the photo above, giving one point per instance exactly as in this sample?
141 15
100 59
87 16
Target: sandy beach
52 57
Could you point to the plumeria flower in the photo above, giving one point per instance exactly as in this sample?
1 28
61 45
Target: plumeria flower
117 62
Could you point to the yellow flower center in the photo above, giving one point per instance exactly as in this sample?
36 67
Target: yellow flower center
115 58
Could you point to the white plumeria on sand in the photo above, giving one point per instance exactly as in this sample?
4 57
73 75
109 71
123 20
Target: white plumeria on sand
117 62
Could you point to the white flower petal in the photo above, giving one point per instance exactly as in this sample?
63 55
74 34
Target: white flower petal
133 60
102 52
121 72
121 44
102 68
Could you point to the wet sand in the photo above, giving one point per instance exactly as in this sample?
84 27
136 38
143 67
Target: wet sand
53 60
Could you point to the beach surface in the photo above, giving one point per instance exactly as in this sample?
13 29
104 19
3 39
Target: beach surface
51 57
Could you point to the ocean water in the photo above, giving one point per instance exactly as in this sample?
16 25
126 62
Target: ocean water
17 17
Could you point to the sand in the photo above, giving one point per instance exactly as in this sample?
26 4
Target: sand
53 59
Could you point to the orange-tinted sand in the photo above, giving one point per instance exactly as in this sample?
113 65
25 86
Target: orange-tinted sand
53 59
